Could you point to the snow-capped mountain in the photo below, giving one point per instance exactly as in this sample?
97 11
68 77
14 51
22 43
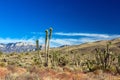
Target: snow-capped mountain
17 47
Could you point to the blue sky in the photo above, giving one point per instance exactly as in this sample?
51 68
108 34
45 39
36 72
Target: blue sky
73 21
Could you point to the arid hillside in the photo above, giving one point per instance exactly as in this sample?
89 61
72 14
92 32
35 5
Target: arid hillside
90 47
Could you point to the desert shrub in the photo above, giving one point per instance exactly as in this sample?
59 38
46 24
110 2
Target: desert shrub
54 57
27 53
63 61
3 64
90 65
36 61
104 59
77 60
4 60
58 59
19 56
117 66
12 54
15 63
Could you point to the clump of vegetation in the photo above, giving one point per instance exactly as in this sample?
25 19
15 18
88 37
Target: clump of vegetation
54 58
104 60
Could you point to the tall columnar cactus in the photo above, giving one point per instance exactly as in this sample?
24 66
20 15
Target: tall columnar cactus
37 47
37 44
50 36
46 46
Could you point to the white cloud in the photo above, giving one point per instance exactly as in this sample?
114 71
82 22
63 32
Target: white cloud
62 41
71 41
83 34
83 37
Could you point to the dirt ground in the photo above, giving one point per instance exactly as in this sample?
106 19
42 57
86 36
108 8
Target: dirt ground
18 73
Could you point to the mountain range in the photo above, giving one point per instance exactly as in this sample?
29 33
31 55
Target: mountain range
17 47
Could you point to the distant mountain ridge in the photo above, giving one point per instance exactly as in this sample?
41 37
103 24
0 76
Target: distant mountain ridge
17 47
